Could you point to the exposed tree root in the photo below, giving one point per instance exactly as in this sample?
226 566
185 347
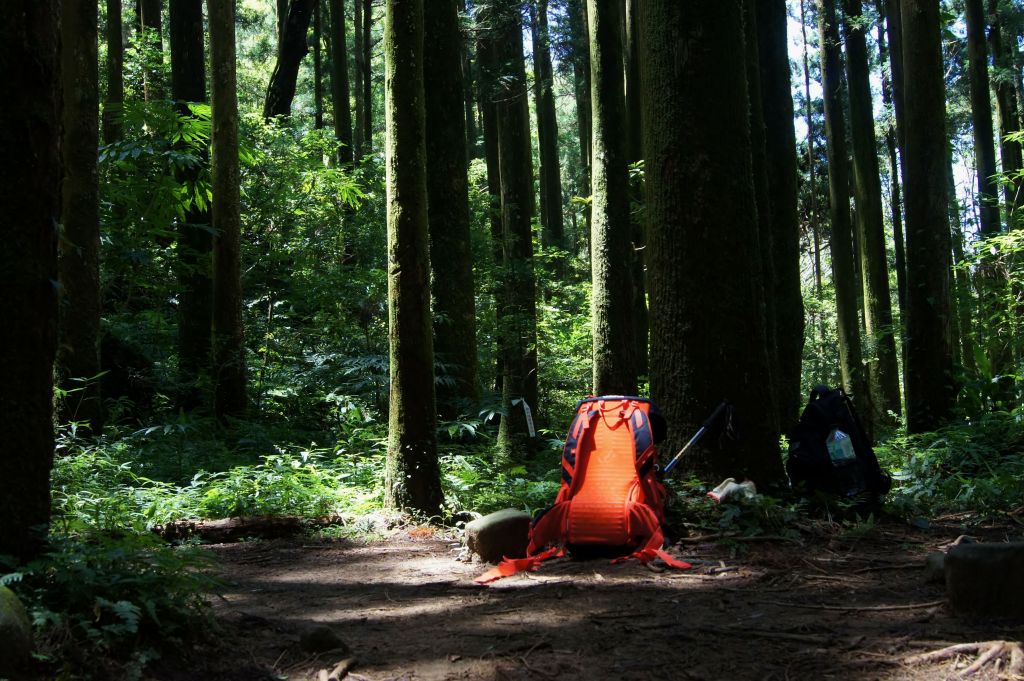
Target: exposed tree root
987 652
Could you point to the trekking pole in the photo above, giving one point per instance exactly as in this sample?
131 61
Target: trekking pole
697 436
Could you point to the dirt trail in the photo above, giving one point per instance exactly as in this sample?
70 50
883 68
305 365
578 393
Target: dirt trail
821 609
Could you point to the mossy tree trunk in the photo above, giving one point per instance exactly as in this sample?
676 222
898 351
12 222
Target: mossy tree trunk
981 119
552 233
579 39
367 75
115 73
883 374
195 243
339 82
412 476
759 169
294 47
518 332
843 274
358 133
930 386
780 152
451 260
30 201
634 154
318 67
611 306
78 357
229 364
1008 110
707 330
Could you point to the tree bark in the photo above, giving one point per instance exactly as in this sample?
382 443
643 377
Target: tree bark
1007 109
294 47
30 201
981 119
843 274
282 21
611 230
367 76
339 82
151 24
451 260
883 368
929 372
412 476
634 154
195 243
780 151
115 73
488 68
318 68
577 10
895 198
707 331
469 94
230 397
552 232
78 358
358 133
518 335
762 203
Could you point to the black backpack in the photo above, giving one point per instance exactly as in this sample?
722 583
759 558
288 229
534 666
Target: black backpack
819 458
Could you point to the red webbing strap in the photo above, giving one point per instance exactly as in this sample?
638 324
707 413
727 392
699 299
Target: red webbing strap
642 515
511 566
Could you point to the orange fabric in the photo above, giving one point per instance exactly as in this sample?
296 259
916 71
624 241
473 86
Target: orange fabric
604 481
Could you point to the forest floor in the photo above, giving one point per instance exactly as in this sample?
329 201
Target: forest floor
823 607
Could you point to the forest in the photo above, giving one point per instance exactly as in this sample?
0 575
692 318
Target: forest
301 292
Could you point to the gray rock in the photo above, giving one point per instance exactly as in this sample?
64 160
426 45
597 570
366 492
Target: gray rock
501 534
986 579
935 568
322 639
15 636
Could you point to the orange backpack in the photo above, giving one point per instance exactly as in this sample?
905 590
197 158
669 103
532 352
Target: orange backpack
610 496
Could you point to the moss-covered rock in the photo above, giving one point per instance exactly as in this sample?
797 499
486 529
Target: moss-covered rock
15 635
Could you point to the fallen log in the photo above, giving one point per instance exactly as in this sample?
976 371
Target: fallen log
225 530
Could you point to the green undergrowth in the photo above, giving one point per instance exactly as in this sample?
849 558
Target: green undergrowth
976 466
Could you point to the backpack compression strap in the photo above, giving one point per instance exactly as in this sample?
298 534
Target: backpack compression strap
642 516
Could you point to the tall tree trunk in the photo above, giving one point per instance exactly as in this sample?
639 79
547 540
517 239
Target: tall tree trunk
115 73
981 119
895 200
412 476
634 154
78 355
518 335
228 342
195 243
759 166
151 25
930 386
469 94
843 274
611 231
780 151
552 232
367 76
294 47
318 68
30 201
707 331
339 82
577 10
960 325
486 84
894 21
282 21
1006 108
358 132
451 258
883 371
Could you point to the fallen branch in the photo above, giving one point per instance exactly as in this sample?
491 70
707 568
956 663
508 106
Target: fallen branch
857 608
232 529
987 652
341 669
